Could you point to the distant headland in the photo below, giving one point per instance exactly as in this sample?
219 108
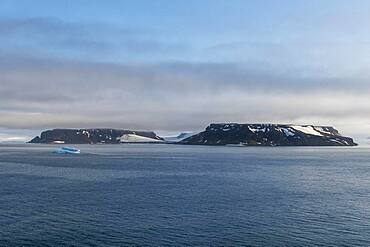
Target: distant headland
214 134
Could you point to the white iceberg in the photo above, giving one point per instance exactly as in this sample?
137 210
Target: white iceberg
67 150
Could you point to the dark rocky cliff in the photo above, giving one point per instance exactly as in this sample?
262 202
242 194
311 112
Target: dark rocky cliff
88 136
269 135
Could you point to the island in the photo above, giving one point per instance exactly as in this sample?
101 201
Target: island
269 135
96 136
215 134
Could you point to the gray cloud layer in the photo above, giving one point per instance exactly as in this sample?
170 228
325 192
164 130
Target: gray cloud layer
46 88
171 96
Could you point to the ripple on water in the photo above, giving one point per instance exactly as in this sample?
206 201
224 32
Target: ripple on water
185 196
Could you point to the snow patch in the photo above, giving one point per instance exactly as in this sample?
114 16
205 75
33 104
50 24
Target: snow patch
307 130
58 142
253 129
136 138
288 132
323 130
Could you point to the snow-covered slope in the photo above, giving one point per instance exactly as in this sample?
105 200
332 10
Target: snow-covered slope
178 138
133 138
310 130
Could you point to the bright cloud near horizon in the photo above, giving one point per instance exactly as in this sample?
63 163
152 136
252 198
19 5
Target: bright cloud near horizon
174 66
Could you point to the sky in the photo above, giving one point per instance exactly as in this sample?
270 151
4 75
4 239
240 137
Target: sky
173 66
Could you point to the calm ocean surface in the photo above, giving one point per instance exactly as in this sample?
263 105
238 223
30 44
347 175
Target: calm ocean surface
156 195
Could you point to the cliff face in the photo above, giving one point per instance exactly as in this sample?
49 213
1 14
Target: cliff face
269 135
91 136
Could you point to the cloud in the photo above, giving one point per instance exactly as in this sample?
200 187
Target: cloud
61 74
304 56
16 135
52 37
38 94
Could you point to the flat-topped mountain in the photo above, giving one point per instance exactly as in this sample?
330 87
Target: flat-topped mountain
215 134
269 135
95 136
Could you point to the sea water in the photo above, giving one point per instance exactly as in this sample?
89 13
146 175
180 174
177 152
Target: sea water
158 195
